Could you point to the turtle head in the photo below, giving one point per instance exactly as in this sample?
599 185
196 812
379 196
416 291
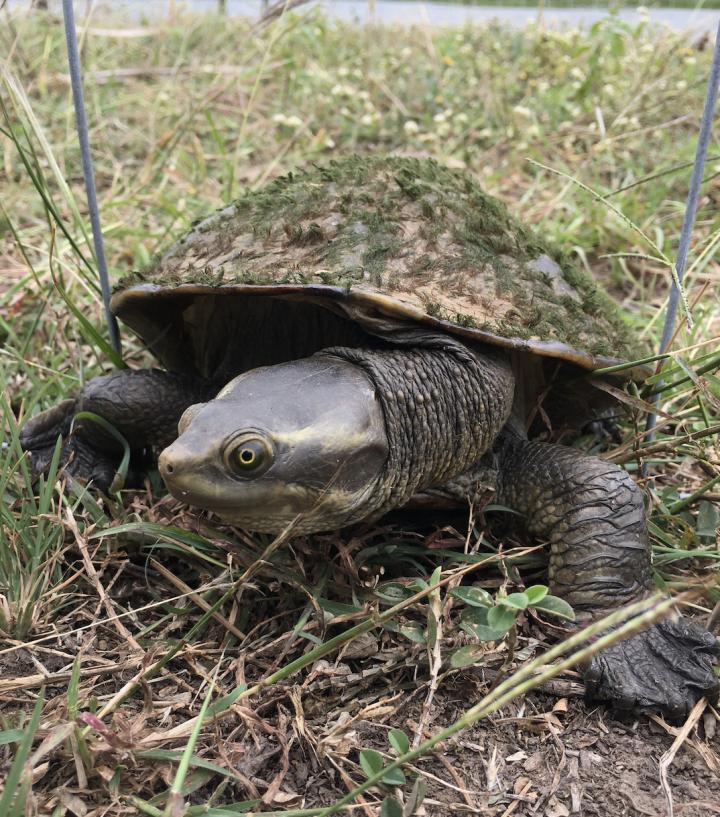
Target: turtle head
302 441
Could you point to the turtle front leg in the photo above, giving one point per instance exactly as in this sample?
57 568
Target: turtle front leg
592 513
143 406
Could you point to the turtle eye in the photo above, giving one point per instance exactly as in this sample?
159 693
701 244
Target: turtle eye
249 456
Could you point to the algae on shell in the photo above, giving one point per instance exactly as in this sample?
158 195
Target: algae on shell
411 229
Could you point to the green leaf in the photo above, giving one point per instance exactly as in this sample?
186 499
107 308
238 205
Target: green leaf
122 469
394 778
310 637
501 618
371 762
11 736
414 632
394 592
556 607
503 508
16 789
516 601
468 655
226 701
399 741
337 608
228 810
535 593
482 632
175 792
475 615
73 686
416 796
474 621
89 332
708 520
432 628
390 807
475 596
175 756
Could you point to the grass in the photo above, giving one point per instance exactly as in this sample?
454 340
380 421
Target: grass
133 616
586 3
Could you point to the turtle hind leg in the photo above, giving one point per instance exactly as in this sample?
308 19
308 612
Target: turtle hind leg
143 406
592 514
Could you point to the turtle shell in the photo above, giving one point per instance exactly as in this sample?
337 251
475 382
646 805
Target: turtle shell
361 248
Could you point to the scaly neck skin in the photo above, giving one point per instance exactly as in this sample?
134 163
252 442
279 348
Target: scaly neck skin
444 404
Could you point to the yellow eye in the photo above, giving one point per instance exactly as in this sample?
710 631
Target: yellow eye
249 456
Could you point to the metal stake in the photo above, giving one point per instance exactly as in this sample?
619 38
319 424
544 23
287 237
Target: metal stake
690 211
82 129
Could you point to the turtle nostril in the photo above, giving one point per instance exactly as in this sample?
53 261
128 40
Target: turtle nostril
165 462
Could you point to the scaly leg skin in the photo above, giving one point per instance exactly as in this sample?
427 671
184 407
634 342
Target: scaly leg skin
144 406
592 513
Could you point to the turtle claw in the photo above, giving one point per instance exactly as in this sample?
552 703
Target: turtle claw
666 668
78 458
39 435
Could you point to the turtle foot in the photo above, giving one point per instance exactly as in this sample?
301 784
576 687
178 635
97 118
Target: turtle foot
78 458
666 668
39 435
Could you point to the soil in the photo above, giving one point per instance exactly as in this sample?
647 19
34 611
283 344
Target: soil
297 743
575 762
545 756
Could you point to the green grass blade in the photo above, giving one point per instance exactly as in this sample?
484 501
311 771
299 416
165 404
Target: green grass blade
175 796
14 794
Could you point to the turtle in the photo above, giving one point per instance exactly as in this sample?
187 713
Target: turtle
356 334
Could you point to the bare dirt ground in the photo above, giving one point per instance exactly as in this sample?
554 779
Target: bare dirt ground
545 756
297 743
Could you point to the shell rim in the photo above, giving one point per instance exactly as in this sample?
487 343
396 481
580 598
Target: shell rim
357 301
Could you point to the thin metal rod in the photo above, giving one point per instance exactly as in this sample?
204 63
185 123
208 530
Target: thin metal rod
690 211
88 173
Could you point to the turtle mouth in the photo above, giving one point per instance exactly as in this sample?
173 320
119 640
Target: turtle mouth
267 504
231 478
262 505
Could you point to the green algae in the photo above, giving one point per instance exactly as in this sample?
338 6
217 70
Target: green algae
399 225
